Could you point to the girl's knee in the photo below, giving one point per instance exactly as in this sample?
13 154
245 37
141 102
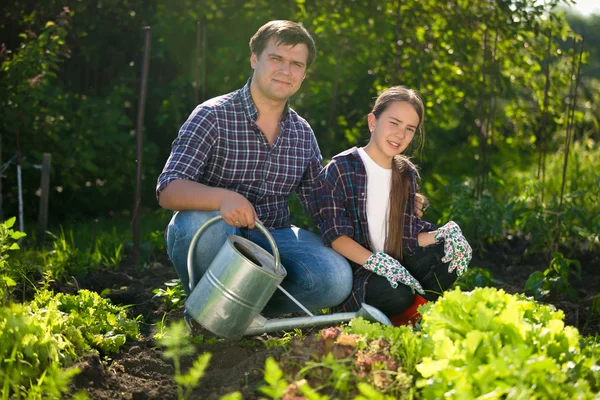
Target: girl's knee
380 294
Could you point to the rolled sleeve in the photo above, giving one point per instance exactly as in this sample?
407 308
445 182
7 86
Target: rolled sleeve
332 217
191 149
416 225
304 190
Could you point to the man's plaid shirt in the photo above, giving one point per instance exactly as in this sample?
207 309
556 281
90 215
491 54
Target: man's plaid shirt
220 145
340 203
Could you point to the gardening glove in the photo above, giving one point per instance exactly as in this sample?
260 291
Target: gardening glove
388 267
457 250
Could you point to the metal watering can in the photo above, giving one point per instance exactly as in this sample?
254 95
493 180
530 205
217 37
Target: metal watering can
238 284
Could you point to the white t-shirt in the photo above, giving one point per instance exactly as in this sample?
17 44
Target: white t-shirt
379 183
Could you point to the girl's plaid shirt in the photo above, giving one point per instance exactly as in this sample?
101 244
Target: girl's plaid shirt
339 203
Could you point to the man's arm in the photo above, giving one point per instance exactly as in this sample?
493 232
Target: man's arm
304 191
181 194
178 188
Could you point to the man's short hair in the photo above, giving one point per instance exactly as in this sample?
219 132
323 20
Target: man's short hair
287 33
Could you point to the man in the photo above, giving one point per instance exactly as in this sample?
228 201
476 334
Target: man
241 155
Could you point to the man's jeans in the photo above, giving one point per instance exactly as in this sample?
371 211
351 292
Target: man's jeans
317 276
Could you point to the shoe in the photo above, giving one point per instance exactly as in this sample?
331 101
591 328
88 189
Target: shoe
411 315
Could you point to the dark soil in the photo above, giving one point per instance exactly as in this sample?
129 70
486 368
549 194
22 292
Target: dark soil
140 372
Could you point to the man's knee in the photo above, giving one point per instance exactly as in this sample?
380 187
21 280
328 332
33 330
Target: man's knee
184 225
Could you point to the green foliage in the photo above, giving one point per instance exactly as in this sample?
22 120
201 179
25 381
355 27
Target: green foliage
173 295
518 203
8 242
555 280
473 278
31 356
489 343
87 320
593 313
75 81
177 345
483 343
274 379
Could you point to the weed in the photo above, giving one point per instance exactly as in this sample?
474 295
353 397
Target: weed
554 280
8 242
173 295
593 313
177 345
475 277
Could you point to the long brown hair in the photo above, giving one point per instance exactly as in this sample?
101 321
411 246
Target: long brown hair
402 168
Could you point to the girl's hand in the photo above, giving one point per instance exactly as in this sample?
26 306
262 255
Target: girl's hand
421 204
456 248
388 267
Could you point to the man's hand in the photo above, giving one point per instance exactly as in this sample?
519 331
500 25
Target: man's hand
237 211
421 204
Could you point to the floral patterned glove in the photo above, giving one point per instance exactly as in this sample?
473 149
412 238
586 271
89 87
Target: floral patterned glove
388 267
456 248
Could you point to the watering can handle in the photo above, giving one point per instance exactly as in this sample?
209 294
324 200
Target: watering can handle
260 227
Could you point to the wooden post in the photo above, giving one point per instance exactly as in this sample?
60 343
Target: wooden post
45 186
140 128
197 65
204 61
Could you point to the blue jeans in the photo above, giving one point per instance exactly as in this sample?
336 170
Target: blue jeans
317 276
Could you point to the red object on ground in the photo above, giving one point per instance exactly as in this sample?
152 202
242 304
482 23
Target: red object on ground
410 316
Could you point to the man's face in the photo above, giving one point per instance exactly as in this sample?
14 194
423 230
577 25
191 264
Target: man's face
279 70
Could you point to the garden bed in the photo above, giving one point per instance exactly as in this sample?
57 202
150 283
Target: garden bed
139 370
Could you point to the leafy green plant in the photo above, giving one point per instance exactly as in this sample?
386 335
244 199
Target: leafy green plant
286 339
475 277
555 280
489 343
593 313
173 295
113 260
86 319
31 356
177 345
8 242
336 360
157 241
276 383
65 258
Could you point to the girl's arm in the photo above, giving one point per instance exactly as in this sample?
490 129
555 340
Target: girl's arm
350 249
426 238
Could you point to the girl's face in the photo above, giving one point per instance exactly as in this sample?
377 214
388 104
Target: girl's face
391 132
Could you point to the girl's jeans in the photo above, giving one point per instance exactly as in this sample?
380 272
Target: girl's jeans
317 276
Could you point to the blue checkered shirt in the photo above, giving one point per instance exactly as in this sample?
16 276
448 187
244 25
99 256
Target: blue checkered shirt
339 205
220 145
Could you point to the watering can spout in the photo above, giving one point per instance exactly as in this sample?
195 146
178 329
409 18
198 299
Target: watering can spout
262 325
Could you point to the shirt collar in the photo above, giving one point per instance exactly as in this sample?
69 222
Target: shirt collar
250 107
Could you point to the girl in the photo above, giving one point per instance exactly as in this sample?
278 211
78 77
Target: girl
364 205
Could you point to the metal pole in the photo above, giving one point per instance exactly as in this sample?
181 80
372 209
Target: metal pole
45 187
570 124
139 133
19 184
